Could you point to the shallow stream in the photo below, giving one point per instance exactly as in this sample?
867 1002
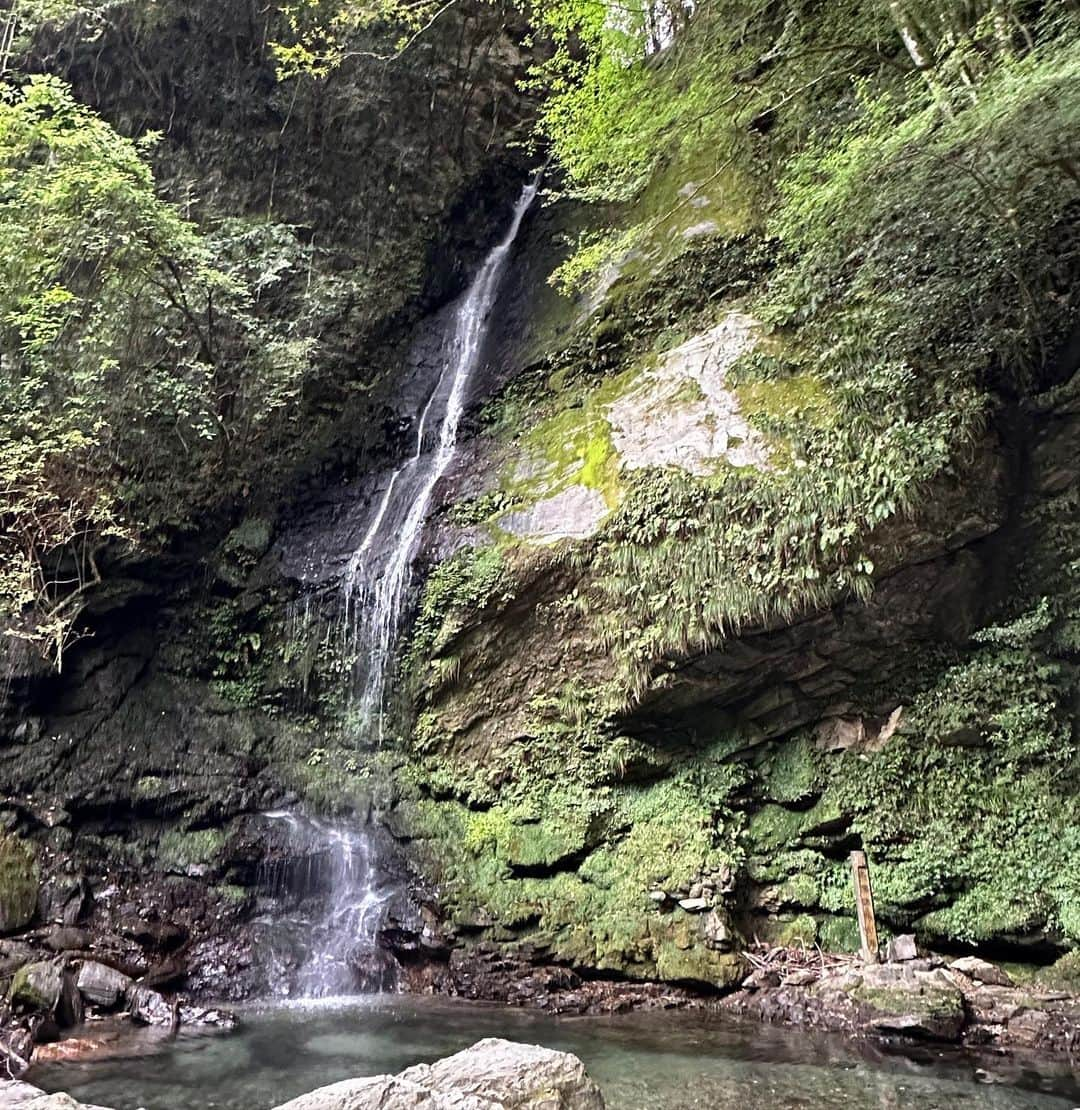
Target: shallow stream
657 1061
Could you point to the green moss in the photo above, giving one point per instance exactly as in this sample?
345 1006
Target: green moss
1064 974
19 876
800 930
180 850
838 934
794 772
576 860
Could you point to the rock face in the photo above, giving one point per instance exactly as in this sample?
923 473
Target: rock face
18 883
492 1075
637 747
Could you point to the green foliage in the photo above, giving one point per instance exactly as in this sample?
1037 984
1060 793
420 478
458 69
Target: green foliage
867 402
131 366
457 590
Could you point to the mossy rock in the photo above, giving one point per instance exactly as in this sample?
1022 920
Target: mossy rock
191 853
681 956
19 880
36 987
922 1010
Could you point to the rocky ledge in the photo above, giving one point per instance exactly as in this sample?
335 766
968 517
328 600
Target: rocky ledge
48 996
967 1000
492 1075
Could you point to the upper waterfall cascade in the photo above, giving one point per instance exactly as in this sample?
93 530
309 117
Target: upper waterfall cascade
375 588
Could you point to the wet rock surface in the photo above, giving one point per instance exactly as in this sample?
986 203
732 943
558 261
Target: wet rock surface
490 973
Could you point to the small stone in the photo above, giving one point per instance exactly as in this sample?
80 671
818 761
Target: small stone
982 971
102 985
901 948
658 896
716 933
693 905
696 890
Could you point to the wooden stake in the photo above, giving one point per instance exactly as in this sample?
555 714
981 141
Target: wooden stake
864 907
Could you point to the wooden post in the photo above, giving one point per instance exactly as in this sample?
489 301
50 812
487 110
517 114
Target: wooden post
864 907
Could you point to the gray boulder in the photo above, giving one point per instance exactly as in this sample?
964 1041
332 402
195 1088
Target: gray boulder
102 985
25 1097
901 948
981 971
147 1007
492 1075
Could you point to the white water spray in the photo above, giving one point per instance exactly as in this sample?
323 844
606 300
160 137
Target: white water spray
339 869
375 590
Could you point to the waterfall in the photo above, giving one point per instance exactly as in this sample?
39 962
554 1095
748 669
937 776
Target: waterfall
330 872
326 943
375 588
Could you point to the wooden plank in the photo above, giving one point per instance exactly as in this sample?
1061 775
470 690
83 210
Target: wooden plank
864 907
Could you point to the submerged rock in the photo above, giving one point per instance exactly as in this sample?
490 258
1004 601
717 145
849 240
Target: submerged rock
492 1075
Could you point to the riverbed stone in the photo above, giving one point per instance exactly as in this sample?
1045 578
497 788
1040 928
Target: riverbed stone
147 1007
102 985
493 1074
26 1097
926 1010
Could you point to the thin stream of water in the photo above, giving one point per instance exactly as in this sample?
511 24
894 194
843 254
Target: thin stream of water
375 589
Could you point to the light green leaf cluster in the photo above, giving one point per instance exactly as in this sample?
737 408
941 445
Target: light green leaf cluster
129 358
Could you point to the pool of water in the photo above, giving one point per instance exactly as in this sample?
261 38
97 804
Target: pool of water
654 1061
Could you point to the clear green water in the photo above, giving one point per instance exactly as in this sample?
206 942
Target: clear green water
665 1061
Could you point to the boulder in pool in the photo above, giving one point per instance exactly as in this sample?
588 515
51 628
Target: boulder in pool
25 1097
492 1075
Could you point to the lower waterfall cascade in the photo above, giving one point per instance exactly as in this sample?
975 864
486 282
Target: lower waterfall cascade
339 870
